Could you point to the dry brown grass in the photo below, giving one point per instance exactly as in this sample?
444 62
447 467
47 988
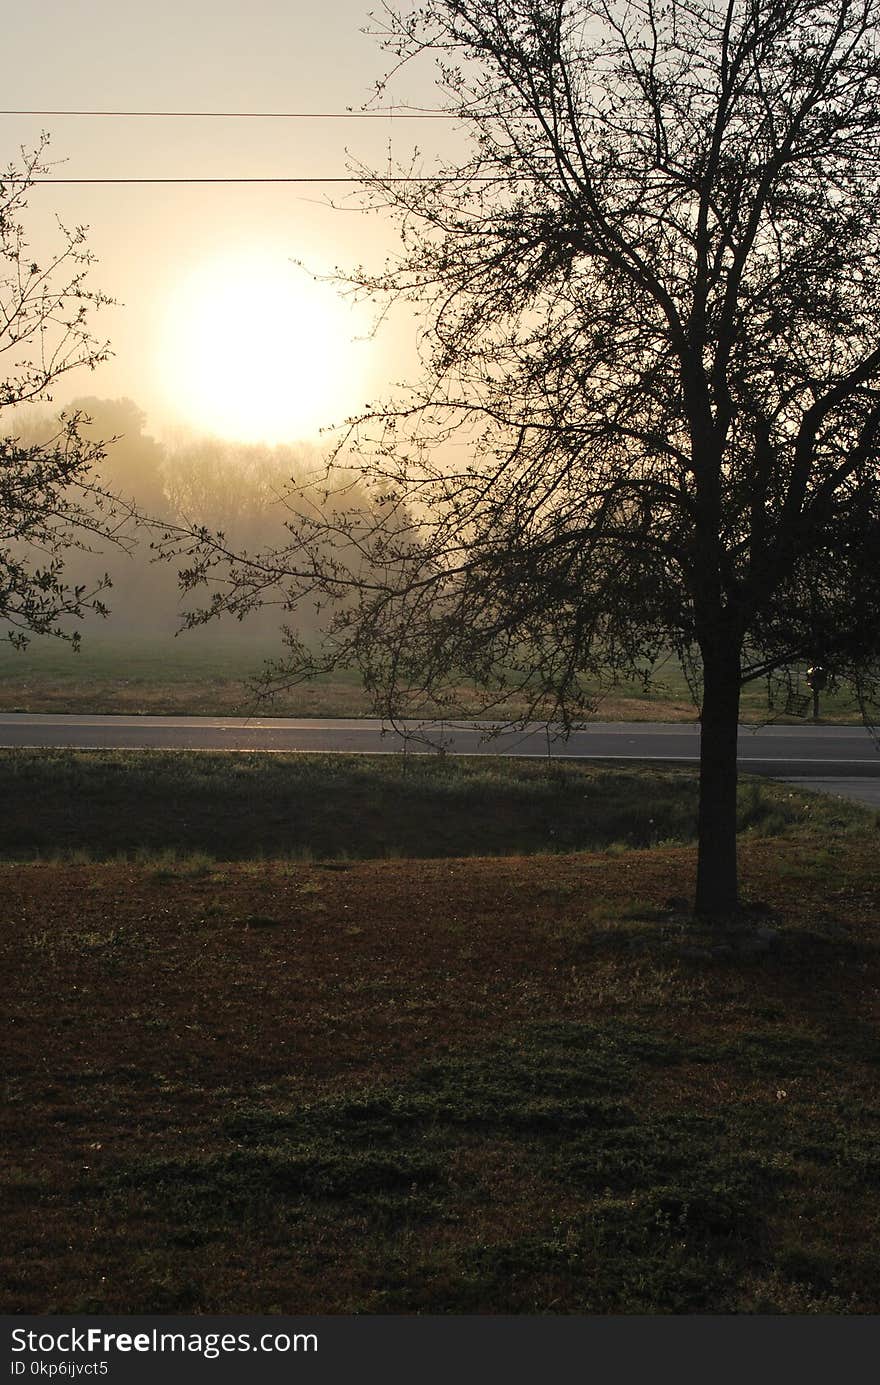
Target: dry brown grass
163 1028
235 697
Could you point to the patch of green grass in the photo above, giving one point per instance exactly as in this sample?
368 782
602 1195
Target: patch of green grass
211 672
173 865
182 810
154 673
633 1207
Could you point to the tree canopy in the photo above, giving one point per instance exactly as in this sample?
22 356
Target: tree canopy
649 413
52 499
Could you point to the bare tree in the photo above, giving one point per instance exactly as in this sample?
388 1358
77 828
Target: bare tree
51 497
650 412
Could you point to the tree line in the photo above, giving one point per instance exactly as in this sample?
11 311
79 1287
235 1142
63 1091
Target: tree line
148 488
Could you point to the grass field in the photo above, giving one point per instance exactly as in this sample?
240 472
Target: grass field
475 1083
202 673
98 805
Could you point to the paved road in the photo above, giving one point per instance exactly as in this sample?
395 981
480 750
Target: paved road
839 759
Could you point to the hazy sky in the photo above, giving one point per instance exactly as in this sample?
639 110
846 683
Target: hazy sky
216 327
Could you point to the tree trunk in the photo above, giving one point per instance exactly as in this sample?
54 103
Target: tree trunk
717 893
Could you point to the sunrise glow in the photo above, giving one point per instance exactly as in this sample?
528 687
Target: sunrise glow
255 349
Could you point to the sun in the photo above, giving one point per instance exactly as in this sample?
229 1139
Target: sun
256 350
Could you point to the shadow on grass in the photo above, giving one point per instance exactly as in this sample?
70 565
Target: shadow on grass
106 804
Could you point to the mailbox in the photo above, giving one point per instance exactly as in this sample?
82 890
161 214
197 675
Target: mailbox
817 677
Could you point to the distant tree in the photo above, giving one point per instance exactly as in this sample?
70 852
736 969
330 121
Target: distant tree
236 490
134 467
650 410
51 497
229 485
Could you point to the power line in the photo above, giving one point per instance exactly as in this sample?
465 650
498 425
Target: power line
392 113
388 114
92 182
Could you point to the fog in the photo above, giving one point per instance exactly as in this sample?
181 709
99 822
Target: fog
238 488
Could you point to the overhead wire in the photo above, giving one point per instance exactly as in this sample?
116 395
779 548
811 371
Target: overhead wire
390 114
415 178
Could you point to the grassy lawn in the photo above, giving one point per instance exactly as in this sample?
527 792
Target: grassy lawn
474 1083
97 805
203 673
